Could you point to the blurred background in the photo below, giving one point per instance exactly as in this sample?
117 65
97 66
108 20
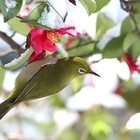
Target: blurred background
90 108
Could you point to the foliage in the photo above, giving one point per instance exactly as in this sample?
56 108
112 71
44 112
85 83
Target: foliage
96 122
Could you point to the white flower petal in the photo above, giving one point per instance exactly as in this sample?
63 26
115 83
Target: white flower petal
134 122
65 118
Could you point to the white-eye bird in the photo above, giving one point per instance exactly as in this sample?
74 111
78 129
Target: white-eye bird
43 78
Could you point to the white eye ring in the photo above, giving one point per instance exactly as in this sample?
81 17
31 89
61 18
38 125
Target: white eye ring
81 71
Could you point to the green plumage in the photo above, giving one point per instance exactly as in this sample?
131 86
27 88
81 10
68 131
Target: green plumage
43 78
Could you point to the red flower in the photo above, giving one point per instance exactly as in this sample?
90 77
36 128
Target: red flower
68 43
44 40
118 90
131 64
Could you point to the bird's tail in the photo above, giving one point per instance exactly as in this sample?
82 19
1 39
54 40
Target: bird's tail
5 106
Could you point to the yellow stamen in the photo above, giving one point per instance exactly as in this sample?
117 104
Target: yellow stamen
53 36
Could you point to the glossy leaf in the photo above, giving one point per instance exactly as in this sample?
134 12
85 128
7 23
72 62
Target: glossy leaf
69 134
129 83
81 51
96 49
10 8
127 25
45 126
136 7
76 84
19 61
135 49
129 40
16 25
101 3
132 96
100 127
137 17
89 5
1 76
97 122
57 100
35 15
113 48
103 24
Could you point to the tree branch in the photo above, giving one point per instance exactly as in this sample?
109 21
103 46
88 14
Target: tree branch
127 6
11 42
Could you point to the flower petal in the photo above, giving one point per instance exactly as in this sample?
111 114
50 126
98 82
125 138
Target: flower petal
63 31
37 44
35 57
35 32
49 46
68 30
131 63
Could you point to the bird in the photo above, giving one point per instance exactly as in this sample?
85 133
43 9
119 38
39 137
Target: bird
43 78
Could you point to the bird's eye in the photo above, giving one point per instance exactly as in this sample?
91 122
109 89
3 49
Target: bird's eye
81 71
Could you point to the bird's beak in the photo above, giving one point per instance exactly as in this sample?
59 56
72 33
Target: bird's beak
92 72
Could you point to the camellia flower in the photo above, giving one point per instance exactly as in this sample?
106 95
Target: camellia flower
44 40
131 64
68 43
118 89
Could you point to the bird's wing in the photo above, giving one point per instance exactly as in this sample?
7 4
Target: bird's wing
31 69
30 86
31 80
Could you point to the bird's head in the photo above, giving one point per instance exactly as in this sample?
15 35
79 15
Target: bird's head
79 66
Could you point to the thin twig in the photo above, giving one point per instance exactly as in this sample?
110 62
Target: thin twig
29 2
11 42
81 45
23 43
78 45
127 6
84 134
13 34
6 53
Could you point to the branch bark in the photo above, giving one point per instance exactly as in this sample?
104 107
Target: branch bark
11 42
127 6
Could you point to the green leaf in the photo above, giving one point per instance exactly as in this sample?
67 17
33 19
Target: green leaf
16 25
100 128
129 83
129 40
86 48
90 5
132 96
69 134
56 100
137 17
39 13
76 84
101 3
96 49
135 49
1 76
103 24
113 48
127 25
35 14
135 8
97 122
10 8
45 126
18 62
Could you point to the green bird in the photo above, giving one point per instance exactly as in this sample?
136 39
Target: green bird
43 78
